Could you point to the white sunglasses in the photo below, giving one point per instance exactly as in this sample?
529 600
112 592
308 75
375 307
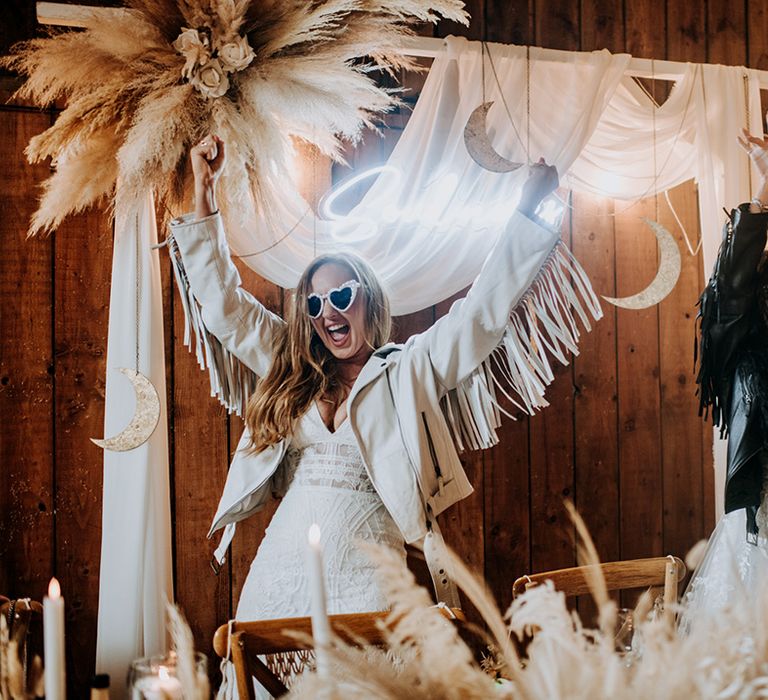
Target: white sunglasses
340 298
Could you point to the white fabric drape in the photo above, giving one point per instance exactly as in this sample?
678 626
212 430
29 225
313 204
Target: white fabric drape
135 578
428 222
728 101
693 135
430 218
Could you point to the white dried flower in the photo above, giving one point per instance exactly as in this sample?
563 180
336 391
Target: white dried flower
194 48
236 55
211 79
696 555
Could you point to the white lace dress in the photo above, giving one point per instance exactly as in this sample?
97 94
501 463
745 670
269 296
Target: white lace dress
733 570
326 483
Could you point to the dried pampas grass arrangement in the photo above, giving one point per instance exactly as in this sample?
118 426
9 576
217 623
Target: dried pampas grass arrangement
193 678
425 657
145 86
191 675
724 655
16 682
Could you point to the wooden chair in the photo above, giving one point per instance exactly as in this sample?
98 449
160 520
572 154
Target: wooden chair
246 641
657 572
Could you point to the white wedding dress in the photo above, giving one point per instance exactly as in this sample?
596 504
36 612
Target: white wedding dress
325 482
733 571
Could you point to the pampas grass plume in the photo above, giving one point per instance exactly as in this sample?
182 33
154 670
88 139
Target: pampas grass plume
194 685
13 683
696 555
131 117
723 655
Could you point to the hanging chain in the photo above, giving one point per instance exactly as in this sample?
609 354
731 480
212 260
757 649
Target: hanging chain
528 103
315 198
504 102
138 288
747 114
654 107
279 240
483 48
482 65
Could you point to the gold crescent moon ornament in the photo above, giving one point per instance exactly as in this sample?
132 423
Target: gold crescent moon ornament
666 276
479 145
145 417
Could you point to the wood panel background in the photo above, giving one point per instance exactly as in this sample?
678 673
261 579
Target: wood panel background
621 438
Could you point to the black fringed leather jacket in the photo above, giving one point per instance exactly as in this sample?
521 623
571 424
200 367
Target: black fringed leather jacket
733 349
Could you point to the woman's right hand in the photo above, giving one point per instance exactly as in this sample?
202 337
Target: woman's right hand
208 158
757 149
542 181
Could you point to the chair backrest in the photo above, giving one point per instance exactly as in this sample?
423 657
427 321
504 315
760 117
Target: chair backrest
246 641
663 572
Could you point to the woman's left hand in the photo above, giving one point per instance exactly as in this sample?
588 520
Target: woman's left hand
757 149
542 181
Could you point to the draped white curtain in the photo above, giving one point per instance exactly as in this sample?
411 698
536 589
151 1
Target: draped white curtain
638 150
135 577
430 218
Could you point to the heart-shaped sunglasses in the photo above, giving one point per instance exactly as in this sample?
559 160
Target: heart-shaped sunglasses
340 298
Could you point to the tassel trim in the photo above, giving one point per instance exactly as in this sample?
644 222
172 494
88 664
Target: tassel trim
543 325
231 381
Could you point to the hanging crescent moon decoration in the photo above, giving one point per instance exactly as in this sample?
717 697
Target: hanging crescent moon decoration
145 417
666 277
479 145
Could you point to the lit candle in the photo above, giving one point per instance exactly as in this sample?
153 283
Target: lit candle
321 627
161 687
53 642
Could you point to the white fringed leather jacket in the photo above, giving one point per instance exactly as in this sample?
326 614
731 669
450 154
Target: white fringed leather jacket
414 405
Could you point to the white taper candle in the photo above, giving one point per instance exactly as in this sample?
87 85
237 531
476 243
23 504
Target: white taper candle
321 627
53 642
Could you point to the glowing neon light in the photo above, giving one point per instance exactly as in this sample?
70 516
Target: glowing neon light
325 208
428 210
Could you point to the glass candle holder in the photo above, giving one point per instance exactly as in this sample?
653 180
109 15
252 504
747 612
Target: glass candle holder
156 677
625 630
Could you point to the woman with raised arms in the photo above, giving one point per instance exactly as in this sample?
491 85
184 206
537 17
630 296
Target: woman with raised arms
355 433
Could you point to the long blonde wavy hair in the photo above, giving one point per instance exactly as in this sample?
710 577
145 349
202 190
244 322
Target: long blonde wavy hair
303 369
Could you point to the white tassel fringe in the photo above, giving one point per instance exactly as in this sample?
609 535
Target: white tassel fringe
231 381
543 323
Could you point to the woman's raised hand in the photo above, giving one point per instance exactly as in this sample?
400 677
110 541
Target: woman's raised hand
208 158
542 181
757 149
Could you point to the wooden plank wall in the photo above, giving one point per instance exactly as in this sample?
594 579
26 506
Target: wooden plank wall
621 437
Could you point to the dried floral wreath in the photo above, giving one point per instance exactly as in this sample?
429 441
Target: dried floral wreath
143 87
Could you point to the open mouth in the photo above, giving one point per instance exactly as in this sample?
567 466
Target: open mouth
338 333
